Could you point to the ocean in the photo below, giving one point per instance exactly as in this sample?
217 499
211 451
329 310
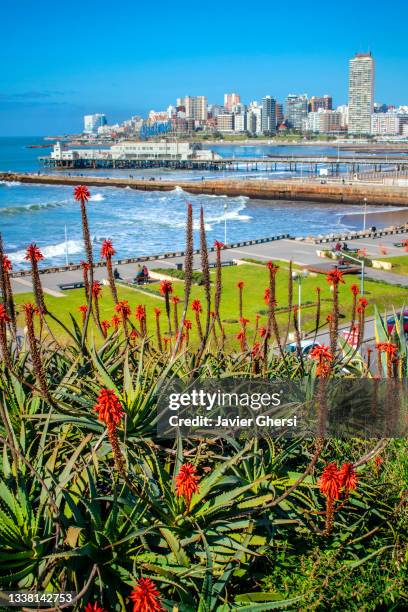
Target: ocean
146 223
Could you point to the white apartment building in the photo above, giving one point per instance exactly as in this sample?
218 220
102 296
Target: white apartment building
343 109
254 119
385 124
240 122
361 94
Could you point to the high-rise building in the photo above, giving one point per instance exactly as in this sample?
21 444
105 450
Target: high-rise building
196 107
240 122
93 122
344 113
361 94
230 100
279 114
268 115
326 102
296 110
254 119
225 122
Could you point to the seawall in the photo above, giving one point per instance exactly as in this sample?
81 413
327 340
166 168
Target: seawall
306 191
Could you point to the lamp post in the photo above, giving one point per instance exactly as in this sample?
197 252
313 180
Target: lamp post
299 275
362 264
225 222
365 214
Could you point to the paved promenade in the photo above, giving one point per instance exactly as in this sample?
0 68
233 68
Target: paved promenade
300 252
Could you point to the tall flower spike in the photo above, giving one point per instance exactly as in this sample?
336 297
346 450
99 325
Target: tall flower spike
107 252
34 255
166 289
146 596
82 195
187 483
110 412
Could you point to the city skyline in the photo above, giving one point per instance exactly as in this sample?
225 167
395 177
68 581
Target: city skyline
129 63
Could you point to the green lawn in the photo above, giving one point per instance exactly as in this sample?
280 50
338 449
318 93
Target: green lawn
399 264
255 278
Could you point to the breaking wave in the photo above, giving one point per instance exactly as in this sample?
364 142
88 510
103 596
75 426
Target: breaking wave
19 210
54 250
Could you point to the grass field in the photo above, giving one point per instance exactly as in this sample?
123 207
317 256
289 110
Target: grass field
255 278
399 264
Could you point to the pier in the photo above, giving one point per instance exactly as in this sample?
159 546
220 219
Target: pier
271 163
348 192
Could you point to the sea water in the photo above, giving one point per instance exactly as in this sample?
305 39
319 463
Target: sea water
141 223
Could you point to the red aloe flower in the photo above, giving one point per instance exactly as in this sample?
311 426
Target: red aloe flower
244 322
96 289
334 277
330 482
256 350
240 284
354 289
263 332
95 607
33 253
363 302
218 245
115 321
241 337
140 313
322 355
187 482
271 266
188 324
107 250
83 309
81 193
145 596
157 312
389 348
109 408
166 287
84 265
7 265
196 306
175 299
4 318
123 309
348 477
105 325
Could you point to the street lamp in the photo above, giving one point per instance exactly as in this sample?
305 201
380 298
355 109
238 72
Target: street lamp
362 264
225 222
299 275
365 214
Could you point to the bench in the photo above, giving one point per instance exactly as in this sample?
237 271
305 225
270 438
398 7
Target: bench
66 286
223 264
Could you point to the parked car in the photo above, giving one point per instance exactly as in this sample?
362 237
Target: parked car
306 347
403 318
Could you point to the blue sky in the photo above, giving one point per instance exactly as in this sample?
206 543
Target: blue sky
59 60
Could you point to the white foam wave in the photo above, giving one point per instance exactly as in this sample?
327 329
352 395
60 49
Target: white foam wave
10 183
54 250
98 197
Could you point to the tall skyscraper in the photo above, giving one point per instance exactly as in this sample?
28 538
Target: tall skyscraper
296 110
230 100
268 115
361 93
